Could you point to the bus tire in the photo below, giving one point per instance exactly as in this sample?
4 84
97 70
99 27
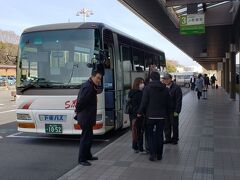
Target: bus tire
187 85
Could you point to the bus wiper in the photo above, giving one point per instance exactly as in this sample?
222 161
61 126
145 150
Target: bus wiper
74 66
29 86
69 86
36 84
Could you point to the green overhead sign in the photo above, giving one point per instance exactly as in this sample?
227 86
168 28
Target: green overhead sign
192 24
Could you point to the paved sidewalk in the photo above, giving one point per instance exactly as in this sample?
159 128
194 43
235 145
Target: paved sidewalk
209 147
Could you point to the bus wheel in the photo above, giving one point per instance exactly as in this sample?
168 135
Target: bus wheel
187 85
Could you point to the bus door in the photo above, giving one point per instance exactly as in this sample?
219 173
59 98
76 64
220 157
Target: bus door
118 75
113 83
125 52
109 88
119 83
113 90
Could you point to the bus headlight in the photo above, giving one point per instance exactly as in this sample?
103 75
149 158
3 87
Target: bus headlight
99 117
23 117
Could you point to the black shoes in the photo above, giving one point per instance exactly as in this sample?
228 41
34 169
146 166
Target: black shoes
93 158
85 163
141 150
167 141
159 157
136 151
174 142
151 158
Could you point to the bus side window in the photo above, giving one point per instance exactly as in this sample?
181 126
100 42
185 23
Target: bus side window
138 60
127 65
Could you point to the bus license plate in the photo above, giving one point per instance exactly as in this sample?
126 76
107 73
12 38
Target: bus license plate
53 128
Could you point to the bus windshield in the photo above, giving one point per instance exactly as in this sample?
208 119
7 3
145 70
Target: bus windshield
56 58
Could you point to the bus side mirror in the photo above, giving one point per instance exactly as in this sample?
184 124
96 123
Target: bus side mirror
102 56
98 61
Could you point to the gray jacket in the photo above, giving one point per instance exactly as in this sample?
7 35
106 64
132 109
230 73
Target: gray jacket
199 84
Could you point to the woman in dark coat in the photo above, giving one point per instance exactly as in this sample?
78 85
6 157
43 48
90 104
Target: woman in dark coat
137 124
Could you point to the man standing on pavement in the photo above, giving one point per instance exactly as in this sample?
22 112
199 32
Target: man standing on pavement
171 124
86 110
155 105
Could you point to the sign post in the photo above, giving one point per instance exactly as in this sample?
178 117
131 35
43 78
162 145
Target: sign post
192 24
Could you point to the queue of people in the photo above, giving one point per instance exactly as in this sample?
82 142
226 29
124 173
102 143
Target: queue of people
155 112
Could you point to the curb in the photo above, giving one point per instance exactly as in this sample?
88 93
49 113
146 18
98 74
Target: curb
76 169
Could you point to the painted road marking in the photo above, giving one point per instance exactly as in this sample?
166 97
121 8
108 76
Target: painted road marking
7 111
1 137
1 104
16 135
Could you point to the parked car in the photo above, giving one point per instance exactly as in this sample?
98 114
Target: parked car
3 81
11 80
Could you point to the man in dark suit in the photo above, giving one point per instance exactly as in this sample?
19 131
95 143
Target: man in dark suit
86 110
171 124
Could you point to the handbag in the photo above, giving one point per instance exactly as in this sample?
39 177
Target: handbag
128 106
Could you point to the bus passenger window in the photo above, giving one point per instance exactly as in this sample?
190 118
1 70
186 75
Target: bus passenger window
138 60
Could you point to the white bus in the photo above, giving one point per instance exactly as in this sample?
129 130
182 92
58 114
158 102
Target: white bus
53 62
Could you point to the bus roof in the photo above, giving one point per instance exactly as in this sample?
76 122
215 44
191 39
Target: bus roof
62 26
87 25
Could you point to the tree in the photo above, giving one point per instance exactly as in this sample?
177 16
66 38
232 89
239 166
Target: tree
8 52
171 66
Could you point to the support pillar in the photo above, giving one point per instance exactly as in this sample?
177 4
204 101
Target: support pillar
232 67
223 73
227 73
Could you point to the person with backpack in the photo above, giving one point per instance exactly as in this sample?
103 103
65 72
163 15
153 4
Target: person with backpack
213 81
137 124
205 88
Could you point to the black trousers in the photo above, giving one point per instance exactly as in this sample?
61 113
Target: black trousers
155 136
85 144
171 128
192 86
199 94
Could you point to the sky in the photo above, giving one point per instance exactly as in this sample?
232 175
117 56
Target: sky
18 15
